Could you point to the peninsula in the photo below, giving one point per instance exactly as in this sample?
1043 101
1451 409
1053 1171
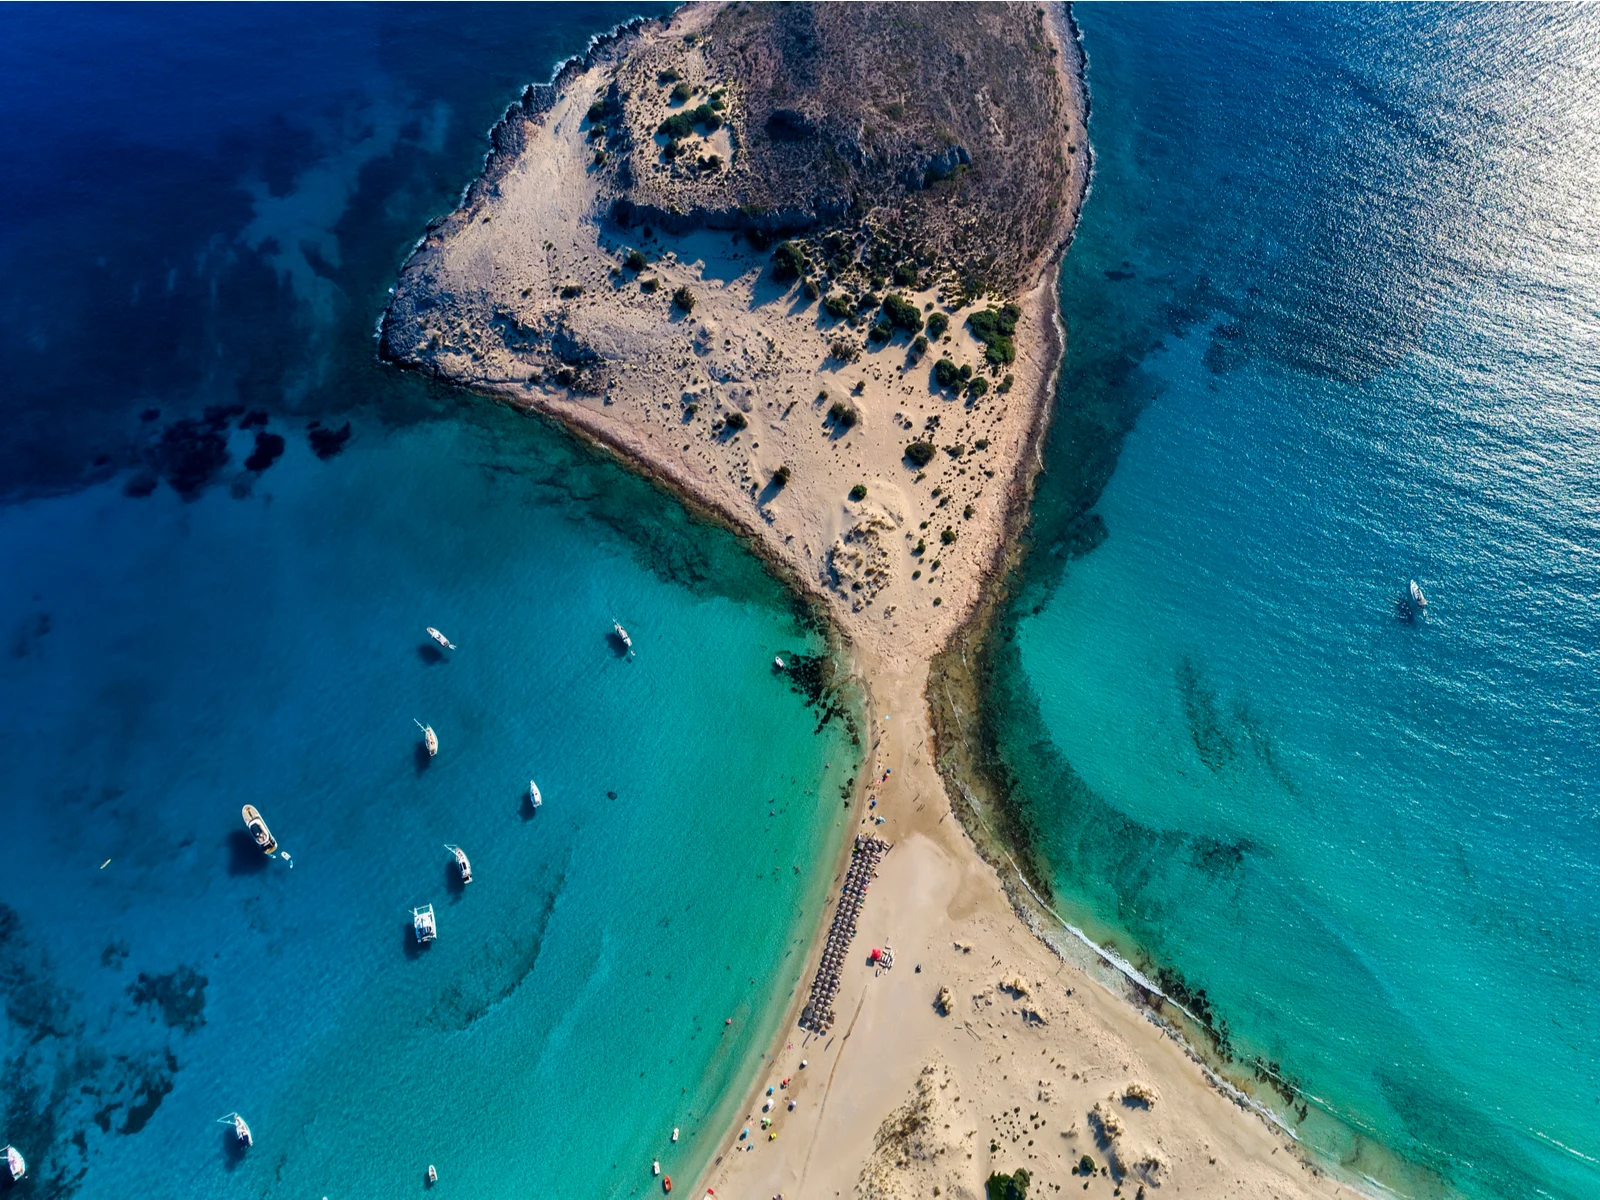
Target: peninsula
798 263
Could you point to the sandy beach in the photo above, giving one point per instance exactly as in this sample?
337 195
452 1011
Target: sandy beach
980 1049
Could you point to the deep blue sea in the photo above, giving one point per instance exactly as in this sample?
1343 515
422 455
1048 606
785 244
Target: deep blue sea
224 530
1334 325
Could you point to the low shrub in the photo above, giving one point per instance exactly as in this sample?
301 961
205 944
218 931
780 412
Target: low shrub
670 75
649 285
946 374
681 92
902 314
1008 1187
635 261
843 415
572 291
780 477
597 112
906 275
880 333
678 125
839 306
859 492
919 346
948 537
789 261
683 298
844 350
735 421
920 453
994 327
937 324
978 387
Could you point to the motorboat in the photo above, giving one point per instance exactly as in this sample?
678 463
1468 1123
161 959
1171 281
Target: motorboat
777 663
433 1175
16 1165
423 924
1417 597
258 830
533 794
462 864
440 638
655 1167
622 636
241 1131
430 739
674 1133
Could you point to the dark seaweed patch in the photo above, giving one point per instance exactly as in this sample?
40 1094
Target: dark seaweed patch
141 484
500 966
114 954
179 996
327 443
154 1085
1206 723
189 455
254 419
269 447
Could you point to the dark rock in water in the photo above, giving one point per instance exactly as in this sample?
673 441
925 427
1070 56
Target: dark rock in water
140 484
150 414
326 443
255 418
153 1089
611 795
269 448
189 455
180 995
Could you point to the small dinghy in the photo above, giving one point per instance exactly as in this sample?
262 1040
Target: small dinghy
462 864
440 638
1417 597
433 1176
258 830
622 636
430 739
666 1183
241 1131
674 1133
533 794
655 1167
423 924
777 664
16 1165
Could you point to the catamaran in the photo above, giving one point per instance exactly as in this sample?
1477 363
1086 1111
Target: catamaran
533 794
462 864
423 924
430 739
440 638
241 1131
1417 597
622 634
16 1164
258 830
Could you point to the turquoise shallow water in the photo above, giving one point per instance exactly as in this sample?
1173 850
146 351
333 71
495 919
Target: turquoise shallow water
169 661
225 528
1332 327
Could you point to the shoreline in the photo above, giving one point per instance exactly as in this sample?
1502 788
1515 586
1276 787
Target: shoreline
934 861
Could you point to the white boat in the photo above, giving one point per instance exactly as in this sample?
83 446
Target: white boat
778 663
241 1131
655 1167
627 642
462 864
258 830
674 1133
430 739
533 794
423 924
16 1164
1417 597
440 638
433 1176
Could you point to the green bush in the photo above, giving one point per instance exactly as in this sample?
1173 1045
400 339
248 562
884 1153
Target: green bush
683 298
718 99
906 275
597 112
868 302
859 492
811 290
843 415
920 453
977 387
681 92
994 327
670 75
937 324
780 477
709 117
902 314
678 125
948 536
839 306
649 285
1008 1187
844 350
1086 1165
919 346
946 374
735 420
572 291
789 261
880 333
635 261
1005 384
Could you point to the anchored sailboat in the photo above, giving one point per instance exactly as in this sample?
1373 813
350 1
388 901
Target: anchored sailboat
533 794
241 1131
258 830
16 1165
423 924
622 635
430 739
462 864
